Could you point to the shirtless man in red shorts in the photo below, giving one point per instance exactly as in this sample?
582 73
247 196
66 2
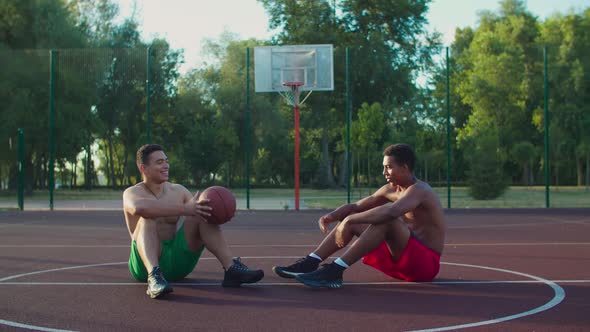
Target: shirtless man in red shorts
403 240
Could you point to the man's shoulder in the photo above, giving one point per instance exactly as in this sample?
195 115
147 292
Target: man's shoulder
131 189
419 189
425 185
426 192
176 186
178 189
386 188
422 185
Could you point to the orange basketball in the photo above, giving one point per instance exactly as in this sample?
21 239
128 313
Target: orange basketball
222 202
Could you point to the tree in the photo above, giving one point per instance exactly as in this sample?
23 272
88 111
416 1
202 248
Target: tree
31 25
523 153
567 41
369 129
485 177
501 78
385 57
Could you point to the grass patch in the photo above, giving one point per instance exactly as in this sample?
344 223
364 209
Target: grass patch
514 197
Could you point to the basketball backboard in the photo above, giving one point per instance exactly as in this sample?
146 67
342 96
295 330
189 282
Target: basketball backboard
311 65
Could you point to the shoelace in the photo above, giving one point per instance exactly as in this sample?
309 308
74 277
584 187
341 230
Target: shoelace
238 265
157 275
298 263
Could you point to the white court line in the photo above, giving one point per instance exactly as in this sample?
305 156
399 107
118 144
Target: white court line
557 298
258 284
517 244
59 269
31 327
296 245
65 246
501 225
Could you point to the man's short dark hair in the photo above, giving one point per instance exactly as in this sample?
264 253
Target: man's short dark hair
143 154
402 154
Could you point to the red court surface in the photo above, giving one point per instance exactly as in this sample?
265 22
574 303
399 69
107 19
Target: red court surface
503 270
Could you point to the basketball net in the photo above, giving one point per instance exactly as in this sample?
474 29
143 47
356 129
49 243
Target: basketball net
291 96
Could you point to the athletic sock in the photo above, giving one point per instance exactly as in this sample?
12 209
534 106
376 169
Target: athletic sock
314 255
341 263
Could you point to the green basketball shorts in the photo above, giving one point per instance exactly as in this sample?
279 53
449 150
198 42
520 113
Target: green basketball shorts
176 261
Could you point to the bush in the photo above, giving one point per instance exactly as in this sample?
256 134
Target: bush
486 181
485 178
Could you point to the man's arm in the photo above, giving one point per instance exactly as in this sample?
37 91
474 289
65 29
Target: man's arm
137 202
376 199
410 201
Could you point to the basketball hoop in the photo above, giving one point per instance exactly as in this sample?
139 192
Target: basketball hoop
291 96
289 70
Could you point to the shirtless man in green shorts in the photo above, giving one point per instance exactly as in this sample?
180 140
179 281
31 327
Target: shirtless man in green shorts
168 229
400 230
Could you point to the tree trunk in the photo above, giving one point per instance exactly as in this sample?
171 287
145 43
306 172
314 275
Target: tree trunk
556 176
343 180
368 169
525 174
357 174
44 174
531 175
557 164
579 172
74 177
587 172
326 176
125 176
87 170
230 175
113 176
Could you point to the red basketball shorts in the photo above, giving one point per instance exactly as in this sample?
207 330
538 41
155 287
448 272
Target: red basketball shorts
417 263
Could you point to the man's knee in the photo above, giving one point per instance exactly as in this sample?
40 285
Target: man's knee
192 225
145 225
395 225
358 229
198 219
398 225
196 226
397 231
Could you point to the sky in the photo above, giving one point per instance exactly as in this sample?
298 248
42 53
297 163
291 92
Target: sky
186 23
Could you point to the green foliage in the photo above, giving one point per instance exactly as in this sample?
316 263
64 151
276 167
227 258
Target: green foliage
486 179
568 42
384 59
496 80
524 153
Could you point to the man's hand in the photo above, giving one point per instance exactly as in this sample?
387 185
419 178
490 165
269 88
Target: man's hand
196 206
325 221
342 233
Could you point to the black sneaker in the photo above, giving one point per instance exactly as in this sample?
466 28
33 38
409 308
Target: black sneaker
239 273
157 284
304 265
329 276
